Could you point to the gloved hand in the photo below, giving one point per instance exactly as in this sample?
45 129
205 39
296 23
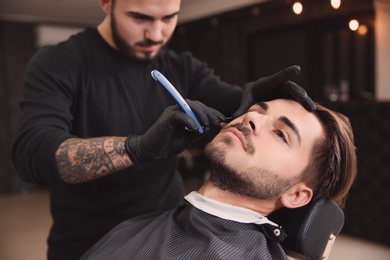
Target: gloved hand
273 87
173 131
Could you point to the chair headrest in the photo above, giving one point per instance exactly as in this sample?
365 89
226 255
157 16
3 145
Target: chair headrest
309 228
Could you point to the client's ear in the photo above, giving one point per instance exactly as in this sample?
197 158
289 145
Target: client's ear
297 196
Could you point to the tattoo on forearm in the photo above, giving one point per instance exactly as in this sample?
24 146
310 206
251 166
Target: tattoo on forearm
80 160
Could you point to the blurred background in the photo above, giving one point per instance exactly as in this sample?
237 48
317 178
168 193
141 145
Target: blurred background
342 47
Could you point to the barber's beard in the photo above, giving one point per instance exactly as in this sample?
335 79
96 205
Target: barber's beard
254 183
126 49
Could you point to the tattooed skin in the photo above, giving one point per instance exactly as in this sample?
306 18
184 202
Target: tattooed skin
81 160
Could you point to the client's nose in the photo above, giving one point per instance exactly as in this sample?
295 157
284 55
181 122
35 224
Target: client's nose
252 125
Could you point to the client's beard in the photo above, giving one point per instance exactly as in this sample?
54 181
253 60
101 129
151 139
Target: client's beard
256 183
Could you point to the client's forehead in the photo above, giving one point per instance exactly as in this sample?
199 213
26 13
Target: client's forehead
285 106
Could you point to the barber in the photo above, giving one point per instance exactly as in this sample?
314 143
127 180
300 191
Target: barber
97 129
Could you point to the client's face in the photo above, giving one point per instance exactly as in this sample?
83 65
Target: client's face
262 153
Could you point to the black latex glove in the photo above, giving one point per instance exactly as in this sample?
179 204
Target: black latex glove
173 131
274 87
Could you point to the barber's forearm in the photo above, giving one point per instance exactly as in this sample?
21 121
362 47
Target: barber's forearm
82 160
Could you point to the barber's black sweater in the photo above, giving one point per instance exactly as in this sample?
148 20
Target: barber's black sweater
84 88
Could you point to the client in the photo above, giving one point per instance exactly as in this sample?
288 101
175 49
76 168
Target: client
276 155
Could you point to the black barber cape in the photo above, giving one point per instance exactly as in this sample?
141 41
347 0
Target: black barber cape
187 232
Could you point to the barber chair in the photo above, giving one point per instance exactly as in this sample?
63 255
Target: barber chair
311 229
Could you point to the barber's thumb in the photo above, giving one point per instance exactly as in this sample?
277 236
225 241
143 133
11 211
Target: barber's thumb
289 73
281 76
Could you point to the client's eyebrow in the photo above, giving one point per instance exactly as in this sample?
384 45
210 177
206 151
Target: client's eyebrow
293 127
263 105
284 120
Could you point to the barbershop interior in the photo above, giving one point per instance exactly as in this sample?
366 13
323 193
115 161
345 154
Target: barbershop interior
342 47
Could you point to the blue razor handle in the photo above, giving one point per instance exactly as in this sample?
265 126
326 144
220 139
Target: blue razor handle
160 78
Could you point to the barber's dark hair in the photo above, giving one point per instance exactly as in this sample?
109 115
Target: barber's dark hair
333 165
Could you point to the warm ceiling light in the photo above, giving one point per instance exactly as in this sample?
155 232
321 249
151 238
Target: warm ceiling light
335 3
297 8
362 30
353 24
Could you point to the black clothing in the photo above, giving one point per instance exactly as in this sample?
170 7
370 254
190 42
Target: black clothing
187 233
84 88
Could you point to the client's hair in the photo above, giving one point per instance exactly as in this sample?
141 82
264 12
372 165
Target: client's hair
332 168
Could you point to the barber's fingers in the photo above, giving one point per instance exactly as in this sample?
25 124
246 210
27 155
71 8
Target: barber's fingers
206 116
183 121
265 88
300 95
270 83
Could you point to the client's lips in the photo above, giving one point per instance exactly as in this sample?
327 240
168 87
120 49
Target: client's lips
239 135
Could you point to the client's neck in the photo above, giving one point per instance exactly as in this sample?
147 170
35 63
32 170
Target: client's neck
210 190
